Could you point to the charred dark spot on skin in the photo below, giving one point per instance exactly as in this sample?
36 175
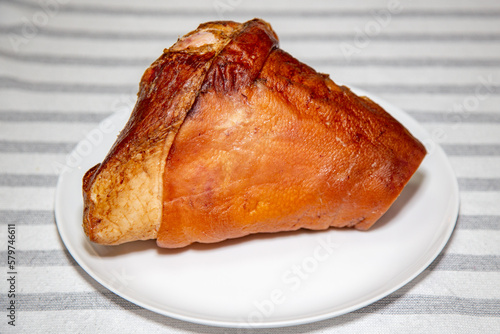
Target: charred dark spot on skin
245 97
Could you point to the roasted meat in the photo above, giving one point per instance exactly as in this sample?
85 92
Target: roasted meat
232 136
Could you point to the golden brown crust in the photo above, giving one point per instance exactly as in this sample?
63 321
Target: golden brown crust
122 195
239 137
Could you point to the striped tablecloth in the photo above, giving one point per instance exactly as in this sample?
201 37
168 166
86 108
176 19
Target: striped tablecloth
65 65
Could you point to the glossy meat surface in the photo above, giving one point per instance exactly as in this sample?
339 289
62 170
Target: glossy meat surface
236 137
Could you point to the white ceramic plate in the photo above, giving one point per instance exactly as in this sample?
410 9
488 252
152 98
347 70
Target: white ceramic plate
268 280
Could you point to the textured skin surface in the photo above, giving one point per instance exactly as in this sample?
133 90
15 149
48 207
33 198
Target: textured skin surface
264 144
122 195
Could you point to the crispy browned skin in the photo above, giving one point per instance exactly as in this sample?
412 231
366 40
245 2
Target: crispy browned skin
240 138
122 195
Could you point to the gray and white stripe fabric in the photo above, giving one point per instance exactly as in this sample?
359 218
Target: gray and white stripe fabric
65 65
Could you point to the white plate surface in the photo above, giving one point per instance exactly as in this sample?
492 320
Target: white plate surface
268 280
